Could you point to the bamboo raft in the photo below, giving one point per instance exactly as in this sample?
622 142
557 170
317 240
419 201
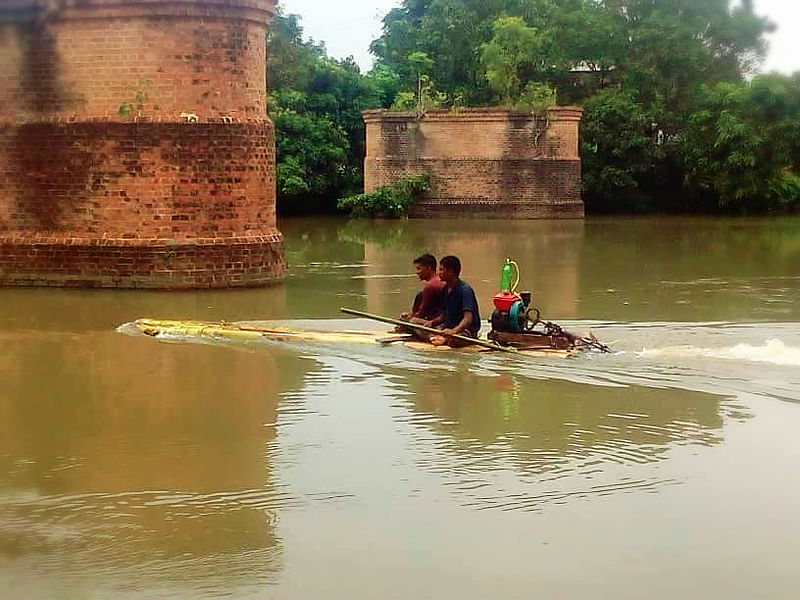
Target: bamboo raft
222 331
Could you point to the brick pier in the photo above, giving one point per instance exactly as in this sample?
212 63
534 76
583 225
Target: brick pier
489 162
135 147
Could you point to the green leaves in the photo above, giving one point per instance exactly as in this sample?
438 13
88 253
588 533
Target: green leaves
618 151
312 149
741 152
392 201
420 63
316 106
670 121
513 46
536 97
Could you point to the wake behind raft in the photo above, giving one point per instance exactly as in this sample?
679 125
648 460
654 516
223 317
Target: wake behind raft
517 328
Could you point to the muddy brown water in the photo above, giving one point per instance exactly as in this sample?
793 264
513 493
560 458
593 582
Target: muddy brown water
134 468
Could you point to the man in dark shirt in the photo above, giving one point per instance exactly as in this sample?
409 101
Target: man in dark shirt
461 314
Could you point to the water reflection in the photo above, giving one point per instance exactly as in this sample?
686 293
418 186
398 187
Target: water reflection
133 468
120 455
565 436
606 269
661 269
691 269
548 253
39 309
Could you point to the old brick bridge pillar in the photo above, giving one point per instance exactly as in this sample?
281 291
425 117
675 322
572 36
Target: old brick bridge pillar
490 163
135 147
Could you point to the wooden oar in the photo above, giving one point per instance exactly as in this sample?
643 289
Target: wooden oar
455 336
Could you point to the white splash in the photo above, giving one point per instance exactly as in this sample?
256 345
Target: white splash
772 351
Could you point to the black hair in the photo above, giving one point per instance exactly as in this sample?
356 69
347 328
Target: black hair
451 263
426 260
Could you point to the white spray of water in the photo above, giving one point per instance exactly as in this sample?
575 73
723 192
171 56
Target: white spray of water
772 351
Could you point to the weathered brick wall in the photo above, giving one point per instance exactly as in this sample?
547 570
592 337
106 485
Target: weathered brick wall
490 163
135 148
113 262
136 181
158 67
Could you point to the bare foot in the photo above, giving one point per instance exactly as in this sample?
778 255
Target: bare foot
438 340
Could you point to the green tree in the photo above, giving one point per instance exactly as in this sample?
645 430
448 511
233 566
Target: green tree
616 148
451 32
421 65
316 104
387 84
640 68
513 46
670 121
741 151
312 153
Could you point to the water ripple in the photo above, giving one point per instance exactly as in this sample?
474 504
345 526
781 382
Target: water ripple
140 522
535 502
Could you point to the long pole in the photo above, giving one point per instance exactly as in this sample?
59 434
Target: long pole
426 329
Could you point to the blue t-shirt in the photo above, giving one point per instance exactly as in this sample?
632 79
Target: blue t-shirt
459 299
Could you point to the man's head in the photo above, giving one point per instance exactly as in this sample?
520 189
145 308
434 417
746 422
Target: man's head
425 266
449 269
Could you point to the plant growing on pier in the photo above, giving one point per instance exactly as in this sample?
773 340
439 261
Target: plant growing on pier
140 96
391 201
513 49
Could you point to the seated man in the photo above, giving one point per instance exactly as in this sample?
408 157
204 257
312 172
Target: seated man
461 315
428 303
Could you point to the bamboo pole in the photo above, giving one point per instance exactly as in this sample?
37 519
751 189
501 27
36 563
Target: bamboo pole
455 336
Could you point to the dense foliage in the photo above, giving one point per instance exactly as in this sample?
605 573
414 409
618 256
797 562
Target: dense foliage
389 200
316 104
673 118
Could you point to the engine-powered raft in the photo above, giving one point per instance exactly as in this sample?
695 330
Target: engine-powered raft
516 327
222 332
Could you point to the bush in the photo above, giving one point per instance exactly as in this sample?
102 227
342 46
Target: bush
392 200
537 97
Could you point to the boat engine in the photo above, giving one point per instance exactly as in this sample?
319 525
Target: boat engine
516 323
514 314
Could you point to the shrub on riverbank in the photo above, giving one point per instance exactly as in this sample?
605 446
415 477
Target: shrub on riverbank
391 201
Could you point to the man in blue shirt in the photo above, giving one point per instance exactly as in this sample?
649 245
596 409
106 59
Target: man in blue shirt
461 315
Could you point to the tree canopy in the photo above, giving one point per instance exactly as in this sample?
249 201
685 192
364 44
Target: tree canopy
675 117
316 103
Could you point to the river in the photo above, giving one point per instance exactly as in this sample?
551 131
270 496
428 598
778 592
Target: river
133 468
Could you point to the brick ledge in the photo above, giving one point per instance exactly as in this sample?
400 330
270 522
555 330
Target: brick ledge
38 239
